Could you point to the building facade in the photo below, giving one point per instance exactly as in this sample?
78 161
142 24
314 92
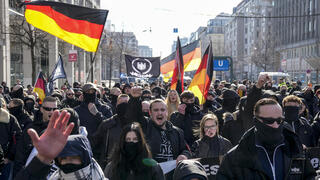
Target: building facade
145 51
299 37
247 39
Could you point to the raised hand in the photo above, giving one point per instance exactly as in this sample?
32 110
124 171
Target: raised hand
53 140
136 91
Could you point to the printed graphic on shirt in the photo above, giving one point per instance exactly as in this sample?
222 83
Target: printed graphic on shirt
165 149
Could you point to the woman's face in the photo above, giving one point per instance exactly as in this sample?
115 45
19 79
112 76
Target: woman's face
131 137
173 97
210 128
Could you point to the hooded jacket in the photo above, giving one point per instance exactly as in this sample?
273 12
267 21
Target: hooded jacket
244 162
188 168
78 145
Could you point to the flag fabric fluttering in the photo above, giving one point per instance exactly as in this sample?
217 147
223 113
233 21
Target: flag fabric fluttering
40 87
80 26
200 84
57 73
191 60
178 72
143 67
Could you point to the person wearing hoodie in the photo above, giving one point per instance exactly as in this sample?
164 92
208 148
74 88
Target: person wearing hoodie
188 117
210 144
70 100
16 108
91 112
39 124
10 133
189 170
29 104
312 101
17 92
230 101
132 158
211 105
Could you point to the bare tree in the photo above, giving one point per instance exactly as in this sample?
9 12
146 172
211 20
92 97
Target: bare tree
22 32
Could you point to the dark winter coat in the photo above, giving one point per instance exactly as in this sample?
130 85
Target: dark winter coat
188 122
24 146
24 120
244 160
211 147
187 168
70 103
90 121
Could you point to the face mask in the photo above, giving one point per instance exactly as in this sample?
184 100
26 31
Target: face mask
89 98
291 113
269 137
131 150
29 106
69 168
113 98
230 104
121 109
15 110
283 92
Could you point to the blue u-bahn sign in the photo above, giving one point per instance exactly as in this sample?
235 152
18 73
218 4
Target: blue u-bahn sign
221 65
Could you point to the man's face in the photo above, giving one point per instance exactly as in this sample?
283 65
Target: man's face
145 106
159 113
127 90
188 100
116 92
47 110
270 111
11 105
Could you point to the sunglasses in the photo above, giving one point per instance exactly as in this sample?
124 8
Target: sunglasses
270 120
70 94
49 109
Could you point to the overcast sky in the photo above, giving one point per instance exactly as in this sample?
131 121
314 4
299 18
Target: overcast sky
162 16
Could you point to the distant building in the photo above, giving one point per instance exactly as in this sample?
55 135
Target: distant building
183 41
299 37
145 51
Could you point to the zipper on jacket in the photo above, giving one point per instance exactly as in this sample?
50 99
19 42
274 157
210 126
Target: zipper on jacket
272 165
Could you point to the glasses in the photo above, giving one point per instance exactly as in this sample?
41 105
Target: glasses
270 120
49 109
70 94
213 127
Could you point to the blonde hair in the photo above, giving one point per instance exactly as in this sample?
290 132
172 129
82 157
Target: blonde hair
168 102
200 132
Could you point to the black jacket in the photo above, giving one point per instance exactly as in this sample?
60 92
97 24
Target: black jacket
210 147
187 168
174 135
243 162
24 120
24 146
70 103
90 121
10 133
188 122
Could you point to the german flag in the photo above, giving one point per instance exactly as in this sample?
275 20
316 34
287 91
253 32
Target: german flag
200 84
76 25
178 72
191 60
40 87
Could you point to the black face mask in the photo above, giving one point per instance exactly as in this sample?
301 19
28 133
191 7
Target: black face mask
121 109
291 113
113 98
17 94
283 92
29 106
269 137
131 150
16 111
69 168
89 97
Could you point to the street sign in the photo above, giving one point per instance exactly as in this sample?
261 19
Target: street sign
73 55
221 65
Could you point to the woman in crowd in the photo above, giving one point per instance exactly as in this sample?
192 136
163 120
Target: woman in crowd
131 159
172 102
210 144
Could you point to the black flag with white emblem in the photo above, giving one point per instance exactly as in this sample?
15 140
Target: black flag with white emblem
143 67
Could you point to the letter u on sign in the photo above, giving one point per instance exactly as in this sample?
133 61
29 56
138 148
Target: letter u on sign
220 63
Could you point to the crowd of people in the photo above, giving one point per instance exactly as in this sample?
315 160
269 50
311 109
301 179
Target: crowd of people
121 133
